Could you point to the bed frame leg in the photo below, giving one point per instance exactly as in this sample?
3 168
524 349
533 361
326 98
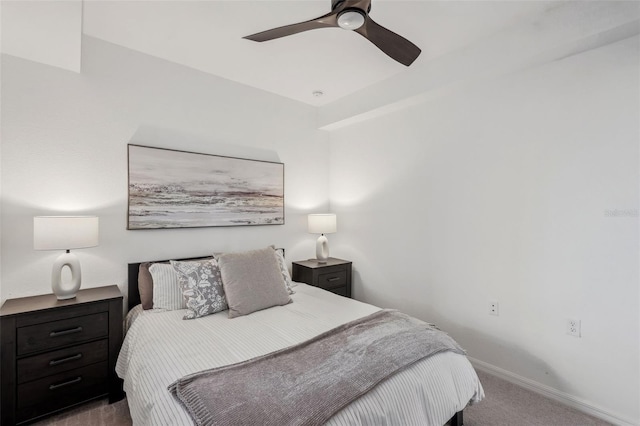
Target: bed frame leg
456 420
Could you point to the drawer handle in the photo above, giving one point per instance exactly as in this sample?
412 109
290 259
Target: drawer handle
70 382
65 332
334 279
63 360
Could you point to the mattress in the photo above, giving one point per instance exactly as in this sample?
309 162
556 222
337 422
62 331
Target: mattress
161 347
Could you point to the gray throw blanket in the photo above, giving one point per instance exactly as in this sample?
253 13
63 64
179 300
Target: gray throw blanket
308 383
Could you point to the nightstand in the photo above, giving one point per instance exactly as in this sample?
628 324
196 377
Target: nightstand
58 353
334 275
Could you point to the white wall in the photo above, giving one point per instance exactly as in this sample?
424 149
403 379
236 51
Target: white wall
47 32
499 192
64 150
504 191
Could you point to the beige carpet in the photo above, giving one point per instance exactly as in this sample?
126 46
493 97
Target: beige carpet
96 413
505 405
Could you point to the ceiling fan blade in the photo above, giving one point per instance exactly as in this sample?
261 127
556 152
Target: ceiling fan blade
326 21
397 47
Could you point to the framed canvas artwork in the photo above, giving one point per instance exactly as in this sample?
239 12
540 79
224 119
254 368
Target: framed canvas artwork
178 189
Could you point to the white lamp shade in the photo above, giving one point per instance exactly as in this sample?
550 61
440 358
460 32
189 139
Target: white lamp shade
325 223
64 232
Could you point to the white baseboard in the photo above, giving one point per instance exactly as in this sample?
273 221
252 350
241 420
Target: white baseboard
562 397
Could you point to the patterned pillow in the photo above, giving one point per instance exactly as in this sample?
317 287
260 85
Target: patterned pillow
166 289
283 269
201 286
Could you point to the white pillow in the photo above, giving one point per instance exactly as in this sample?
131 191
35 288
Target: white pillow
167 294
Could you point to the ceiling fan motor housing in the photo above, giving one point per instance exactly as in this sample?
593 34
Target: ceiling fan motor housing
352 4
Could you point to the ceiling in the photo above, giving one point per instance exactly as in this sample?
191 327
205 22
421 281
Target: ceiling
207 36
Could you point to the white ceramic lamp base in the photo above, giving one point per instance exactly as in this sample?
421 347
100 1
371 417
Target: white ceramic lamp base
322 249
69 289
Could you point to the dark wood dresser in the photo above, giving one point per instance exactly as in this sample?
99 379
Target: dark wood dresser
59 353
334 275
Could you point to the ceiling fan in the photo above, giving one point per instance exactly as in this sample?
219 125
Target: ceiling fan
351 15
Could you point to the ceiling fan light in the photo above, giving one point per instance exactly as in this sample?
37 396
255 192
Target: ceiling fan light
350 20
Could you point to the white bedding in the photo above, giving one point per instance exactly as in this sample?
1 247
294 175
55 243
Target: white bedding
161 347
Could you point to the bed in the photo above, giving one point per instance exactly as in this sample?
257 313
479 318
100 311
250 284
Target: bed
160 348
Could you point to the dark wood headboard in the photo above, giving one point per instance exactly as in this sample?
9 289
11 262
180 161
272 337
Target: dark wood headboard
133 295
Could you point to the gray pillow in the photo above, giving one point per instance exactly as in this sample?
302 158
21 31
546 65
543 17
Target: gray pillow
252 281
201 286
145 285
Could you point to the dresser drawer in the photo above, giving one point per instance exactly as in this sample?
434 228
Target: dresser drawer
337 278
342 291
61 390
67 312
56 334
50 363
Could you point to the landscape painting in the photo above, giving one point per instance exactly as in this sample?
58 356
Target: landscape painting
177 189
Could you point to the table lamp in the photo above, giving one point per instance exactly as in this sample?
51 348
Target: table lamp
324 223
65 233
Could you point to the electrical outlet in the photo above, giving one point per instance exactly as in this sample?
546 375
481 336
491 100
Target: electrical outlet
493 308
573 327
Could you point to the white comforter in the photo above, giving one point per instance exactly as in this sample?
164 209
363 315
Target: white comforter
160 347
